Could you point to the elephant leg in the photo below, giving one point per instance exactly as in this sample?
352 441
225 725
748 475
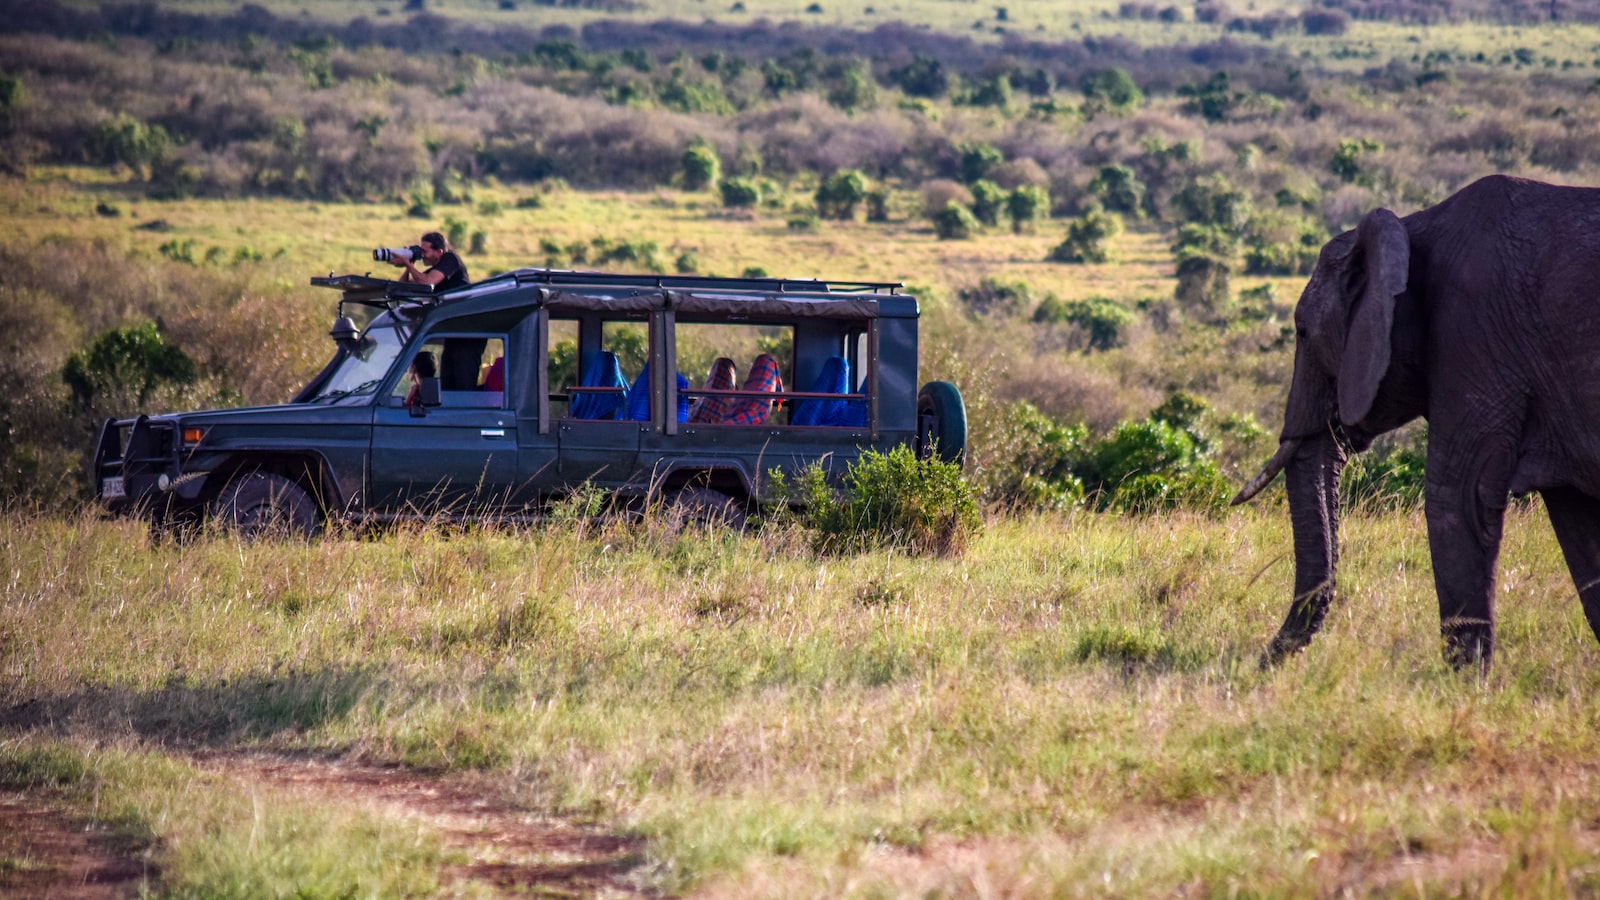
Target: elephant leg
1576 519
1465 520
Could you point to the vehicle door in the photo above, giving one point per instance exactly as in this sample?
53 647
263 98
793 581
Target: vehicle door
454 454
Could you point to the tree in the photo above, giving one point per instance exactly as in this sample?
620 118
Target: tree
988 201
126 363
954 223
1211 99
977 160
924 76
840 193
1086 238
1027 204
701 167
1110 90
1119 189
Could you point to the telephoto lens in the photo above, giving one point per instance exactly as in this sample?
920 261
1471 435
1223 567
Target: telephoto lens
385 254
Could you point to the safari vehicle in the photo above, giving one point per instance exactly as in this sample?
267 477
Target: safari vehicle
542 382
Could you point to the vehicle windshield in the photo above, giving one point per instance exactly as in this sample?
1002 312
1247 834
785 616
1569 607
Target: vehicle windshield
362 370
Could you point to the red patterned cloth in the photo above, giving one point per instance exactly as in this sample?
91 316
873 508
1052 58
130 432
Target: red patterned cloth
723 376
764 376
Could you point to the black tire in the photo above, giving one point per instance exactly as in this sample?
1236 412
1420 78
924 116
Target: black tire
707 508
261 504
948 435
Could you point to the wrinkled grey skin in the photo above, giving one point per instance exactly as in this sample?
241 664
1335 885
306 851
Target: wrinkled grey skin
1481 315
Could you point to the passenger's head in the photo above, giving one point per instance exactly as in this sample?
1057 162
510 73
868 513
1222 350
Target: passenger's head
424 365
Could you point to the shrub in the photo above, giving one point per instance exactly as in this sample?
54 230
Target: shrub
955 222
1211 100
1025 205
890 499
924 76
687 263
700 166
478 244
1151 465
740 192
1118 189
1101 318
1031 458
878 205
125 363
994 296
941 192
1346 162
988 201
1388 476
840 193
1086 238
1110 90
977 160
1205 267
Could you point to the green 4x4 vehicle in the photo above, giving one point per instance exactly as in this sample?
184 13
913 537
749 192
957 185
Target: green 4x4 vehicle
491 400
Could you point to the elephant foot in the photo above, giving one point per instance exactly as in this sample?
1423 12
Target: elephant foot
1282 647
1468 644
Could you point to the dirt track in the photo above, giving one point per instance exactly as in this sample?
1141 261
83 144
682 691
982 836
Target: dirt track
506 847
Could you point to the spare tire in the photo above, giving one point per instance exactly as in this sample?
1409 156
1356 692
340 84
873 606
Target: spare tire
945 432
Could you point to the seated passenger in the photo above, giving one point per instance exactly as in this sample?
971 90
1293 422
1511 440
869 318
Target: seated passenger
765 375
423 366
723 376
603 371
495 378
639 397
833 379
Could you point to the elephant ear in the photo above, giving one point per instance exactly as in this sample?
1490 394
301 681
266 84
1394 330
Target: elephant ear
1385 251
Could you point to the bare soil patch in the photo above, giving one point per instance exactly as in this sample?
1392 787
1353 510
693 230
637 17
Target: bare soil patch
45 851
506 846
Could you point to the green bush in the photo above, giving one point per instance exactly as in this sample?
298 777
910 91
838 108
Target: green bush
1110 90
954 223
996 296
700 166
1102 319
126 363
890 499
1118 189
1205 267
1086 238
1027 204
740 192
1030 460
840 193
1387 477
988 201
977 160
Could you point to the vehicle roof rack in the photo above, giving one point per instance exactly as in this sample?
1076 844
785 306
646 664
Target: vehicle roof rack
569 278
370 291
374 291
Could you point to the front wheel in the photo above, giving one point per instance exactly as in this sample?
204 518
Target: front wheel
261 504
941 423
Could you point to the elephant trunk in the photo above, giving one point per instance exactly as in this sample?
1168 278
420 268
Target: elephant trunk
1314 469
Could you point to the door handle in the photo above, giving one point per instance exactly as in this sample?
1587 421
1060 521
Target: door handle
492 432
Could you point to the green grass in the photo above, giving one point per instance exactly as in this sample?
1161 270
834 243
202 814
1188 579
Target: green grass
1073 703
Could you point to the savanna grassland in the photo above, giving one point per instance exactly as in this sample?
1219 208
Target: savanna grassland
1107 211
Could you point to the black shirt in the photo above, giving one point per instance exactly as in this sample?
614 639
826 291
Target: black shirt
454 271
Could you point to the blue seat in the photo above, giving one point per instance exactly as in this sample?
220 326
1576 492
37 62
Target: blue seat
603 371
833 379
639 397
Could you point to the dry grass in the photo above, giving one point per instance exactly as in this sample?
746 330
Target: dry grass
1071 708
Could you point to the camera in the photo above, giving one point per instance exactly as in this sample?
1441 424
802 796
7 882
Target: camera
385 254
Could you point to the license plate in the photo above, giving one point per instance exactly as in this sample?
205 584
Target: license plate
111 488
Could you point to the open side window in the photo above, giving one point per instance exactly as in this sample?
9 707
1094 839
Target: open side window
469 370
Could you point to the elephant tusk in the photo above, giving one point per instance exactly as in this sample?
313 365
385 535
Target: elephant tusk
1268 472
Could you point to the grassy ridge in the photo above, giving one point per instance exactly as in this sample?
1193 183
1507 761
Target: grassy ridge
1075 703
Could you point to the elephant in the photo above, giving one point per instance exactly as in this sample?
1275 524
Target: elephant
1481 315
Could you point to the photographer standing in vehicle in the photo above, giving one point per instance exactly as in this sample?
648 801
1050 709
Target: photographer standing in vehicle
445 270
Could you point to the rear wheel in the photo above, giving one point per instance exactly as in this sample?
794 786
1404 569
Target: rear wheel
708 508
942 428
261 504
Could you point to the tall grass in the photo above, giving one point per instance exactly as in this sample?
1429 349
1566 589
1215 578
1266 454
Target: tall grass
1073 706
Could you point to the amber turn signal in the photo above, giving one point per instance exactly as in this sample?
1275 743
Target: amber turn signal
192 435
